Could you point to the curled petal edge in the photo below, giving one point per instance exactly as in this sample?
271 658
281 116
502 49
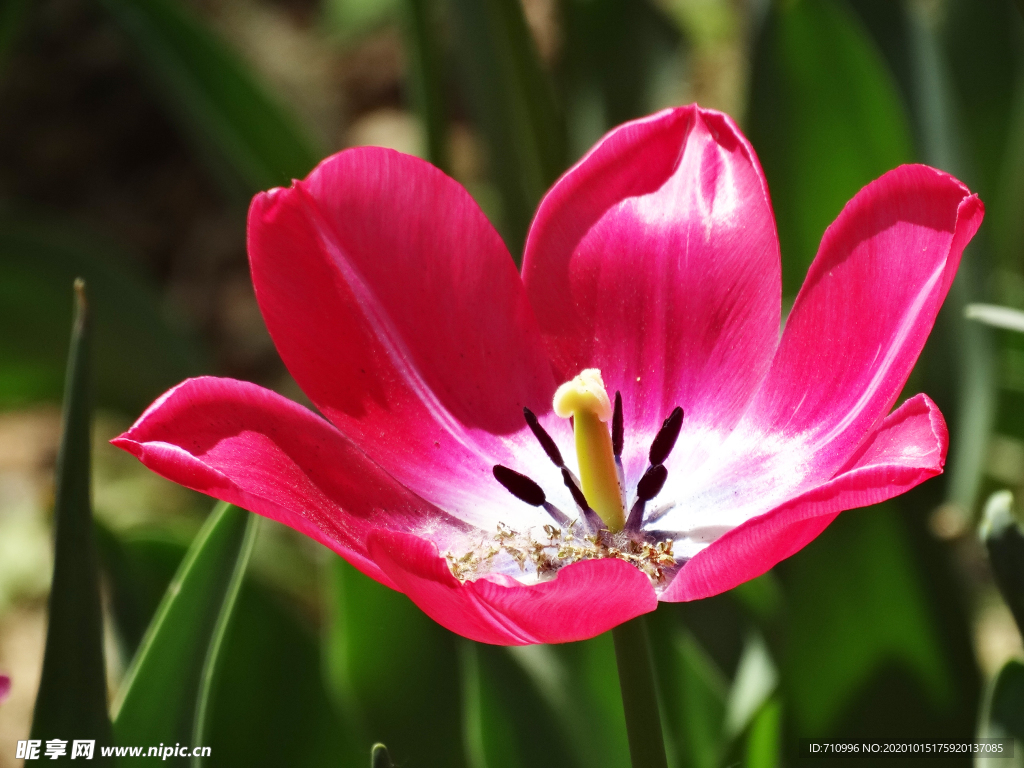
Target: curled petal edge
248 446
908 448
162 457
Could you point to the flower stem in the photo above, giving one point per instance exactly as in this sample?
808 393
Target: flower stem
639 695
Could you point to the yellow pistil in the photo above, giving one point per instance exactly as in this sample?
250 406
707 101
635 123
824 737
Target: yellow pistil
585 399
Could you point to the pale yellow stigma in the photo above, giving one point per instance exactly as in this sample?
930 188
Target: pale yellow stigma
585 399
584 393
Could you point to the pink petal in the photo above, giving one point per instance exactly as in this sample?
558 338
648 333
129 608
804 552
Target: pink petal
584 600
907 449
243 444
864 313
5 687
656 260
398 310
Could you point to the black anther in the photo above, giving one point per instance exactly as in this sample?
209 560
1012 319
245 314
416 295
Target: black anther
617 426
520 486
666 438
651 483
543 438
591 520
577 494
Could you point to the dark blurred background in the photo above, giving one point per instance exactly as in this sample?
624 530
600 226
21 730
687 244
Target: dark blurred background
134 132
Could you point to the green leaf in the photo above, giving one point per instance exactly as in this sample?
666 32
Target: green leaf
700 739
1004 540
577 689
521 707
761 596
856 608
489 741
271 706
380 757
1002 715
825 117
514 108
138 353
392 670
1003 709
164 690
756 679
72 698
249 140
138 566
640 700
764 742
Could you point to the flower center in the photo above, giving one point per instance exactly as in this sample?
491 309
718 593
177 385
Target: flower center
585 399
602 529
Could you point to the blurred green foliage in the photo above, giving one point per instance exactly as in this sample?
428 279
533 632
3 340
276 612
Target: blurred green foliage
250 142
864 633
138 351
821 97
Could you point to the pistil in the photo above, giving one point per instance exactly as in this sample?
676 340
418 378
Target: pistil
586 401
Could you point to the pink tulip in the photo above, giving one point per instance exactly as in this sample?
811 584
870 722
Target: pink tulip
655 260
5 688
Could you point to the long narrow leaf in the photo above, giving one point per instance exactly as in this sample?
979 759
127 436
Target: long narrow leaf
169 677
204 698
137 568
72 699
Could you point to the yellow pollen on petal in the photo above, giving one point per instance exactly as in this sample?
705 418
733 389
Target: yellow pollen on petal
586 401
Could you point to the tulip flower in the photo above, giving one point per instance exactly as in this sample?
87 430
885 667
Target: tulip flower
5 688
538 458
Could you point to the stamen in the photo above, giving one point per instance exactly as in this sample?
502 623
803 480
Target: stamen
577 494
543 438
557 515
651 483
617 429
666 438
524 489
617 441
520 486
590 517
